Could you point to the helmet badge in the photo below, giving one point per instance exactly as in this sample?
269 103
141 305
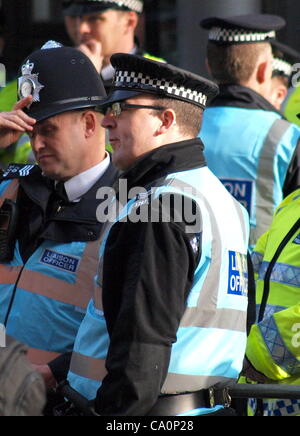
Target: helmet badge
28 84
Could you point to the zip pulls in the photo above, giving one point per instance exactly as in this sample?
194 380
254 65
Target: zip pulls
267 277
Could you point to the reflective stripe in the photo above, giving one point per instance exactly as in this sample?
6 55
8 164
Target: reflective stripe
282 273
281 407
277 347
224 318
88 367
265 183
271 309
41 357
10 192
76 294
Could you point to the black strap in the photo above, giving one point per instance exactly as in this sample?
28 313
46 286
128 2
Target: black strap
251 311
58 198
61 191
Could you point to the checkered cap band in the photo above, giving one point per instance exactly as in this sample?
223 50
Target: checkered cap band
134 79
282 66
133 5
238 35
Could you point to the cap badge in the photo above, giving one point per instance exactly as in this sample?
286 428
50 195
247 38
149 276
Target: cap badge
51 44
28 84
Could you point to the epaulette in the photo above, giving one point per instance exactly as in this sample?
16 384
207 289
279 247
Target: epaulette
16 171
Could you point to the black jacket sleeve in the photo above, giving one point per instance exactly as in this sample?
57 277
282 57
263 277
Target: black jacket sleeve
148 272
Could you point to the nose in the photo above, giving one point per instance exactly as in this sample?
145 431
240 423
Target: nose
83 26
37 143
109 120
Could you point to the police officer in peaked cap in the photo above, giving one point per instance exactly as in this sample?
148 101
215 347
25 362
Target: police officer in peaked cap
284 59
50 248
162 284
256 162
101 28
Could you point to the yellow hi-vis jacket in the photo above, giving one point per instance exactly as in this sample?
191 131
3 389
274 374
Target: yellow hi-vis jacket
19 152
291 105
274 342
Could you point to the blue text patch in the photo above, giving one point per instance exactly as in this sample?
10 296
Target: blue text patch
60 260
241 190
237 274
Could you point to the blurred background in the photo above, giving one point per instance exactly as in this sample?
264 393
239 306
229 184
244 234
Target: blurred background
168 28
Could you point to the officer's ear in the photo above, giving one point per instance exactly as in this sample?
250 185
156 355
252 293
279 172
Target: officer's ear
131 20
262 72
264 66
167 121
90 123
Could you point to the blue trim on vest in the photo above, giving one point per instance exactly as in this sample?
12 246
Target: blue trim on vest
38 321
223 135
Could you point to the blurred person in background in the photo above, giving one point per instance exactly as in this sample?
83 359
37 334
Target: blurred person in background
101 28
249 145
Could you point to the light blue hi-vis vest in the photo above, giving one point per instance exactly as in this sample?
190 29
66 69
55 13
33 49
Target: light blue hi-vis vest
250 150
47 297
211 337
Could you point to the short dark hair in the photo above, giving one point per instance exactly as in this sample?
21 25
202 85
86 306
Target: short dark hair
188 115
233 63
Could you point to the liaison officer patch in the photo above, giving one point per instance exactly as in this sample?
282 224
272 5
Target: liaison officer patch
60 260
237 275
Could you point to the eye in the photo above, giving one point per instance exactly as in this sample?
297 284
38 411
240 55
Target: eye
95 18
47 130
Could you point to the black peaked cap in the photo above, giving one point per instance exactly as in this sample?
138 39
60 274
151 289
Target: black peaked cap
135 75
60 79
242 29
284 59
83 7
255 22
285 52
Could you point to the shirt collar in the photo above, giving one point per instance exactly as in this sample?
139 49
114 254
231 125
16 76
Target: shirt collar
79 185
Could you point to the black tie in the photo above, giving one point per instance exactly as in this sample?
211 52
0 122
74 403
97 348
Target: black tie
57 198
61 192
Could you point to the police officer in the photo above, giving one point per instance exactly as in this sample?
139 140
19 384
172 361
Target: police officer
101 28
273 350
49 230
284 58
168 317
249 145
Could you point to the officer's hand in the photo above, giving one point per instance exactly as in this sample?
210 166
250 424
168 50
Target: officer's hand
14 123
93 50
